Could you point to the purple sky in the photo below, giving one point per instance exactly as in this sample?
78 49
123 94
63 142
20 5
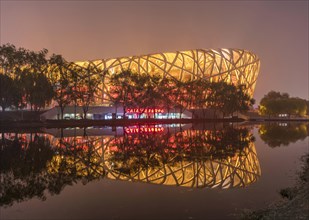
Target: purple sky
81 30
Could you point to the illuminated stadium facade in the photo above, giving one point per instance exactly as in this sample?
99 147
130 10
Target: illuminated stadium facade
230 65
233 66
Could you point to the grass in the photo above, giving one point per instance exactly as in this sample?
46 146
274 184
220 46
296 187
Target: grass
294 203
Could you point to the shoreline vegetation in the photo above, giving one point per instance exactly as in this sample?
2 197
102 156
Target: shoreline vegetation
294 203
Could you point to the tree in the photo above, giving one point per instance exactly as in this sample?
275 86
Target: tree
180 95
121 89
60 76
37 89
12 61
42 92
147 92
88 80
214 94
224 97
239 100
29 84
198 94
165 89
217 94
228 99
134 90
274 103
296 106
8 90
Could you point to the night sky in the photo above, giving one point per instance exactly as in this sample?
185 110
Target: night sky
84 30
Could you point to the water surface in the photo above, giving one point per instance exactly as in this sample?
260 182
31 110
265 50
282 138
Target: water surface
148 172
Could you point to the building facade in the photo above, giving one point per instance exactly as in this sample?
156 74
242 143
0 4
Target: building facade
233 66
229 65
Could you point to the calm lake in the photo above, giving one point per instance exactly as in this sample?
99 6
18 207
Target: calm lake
200 171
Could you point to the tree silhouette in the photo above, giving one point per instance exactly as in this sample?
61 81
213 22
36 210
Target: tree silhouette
60 76
23 166
274 103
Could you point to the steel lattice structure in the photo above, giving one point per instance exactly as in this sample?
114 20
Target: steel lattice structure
239 170
230 65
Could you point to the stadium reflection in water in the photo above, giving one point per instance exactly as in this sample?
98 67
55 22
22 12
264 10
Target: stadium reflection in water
212 158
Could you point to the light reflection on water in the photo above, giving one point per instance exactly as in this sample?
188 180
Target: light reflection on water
38 165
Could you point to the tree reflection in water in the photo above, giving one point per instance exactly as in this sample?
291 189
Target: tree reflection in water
283 133
23 166
32 164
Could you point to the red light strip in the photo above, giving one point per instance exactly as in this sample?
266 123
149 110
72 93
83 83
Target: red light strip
144 110
144 130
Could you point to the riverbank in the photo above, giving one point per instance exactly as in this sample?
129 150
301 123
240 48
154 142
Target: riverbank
31 119
20 115
294 203
115 122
